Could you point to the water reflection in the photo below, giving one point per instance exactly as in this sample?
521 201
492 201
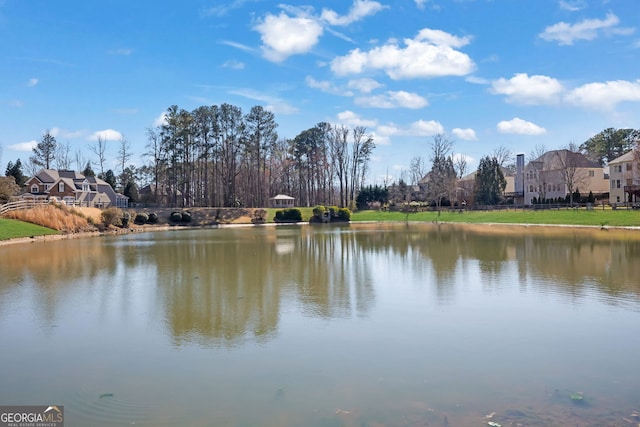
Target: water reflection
222 287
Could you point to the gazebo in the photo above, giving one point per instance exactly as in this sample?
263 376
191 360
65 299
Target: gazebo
281 201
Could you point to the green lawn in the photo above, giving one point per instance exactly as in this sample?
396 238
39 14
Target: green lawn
11 229
597 217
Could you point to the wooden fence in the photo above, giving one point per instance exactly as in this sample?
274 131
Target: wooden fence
21 204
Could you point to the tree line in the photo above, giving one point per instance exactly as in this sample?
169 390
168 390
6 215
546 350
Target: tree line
219 156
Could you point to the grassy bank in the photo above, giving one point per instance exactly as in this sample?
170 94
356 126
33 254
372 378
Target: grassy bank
12 229
595 217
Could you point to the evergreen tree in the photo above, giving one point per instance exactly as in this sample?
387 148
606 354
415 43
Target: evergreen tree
109 177
15 170
45 151
88 171
490 182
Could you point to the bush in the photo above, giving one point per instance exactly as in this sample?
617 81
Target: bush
112 216
318 211
334 211
141 218
289 215
153 218
126 217
186 216
259 216
175 217
344 214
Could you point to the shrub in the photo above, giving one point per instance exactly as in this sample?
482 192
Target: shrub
344 214
290 215
112 216
259 216
318 211
153 218
175 217
126 217
334 211
141 218
186 216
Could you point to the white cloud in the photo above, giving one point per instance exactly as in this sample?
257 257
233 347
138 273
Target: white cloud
430 54
161 120
223 9
588 29
61 133
359 10
233 64
272 103
418 128
393 99
32 82
350 118
572 6
326 86
23 146
477 80
420 4
520 127
239 46
364 85
283 36
466 134
459 156
380 139
530 90
107 135
605 96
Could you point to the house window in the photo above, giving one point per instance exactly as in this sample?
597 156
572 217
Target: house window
618 199
34 189
61 187
592 173
617 183
47 187
85 187
629 181
629 166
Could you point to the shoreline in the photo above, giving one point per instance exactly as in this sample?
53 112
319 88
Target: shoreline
154 228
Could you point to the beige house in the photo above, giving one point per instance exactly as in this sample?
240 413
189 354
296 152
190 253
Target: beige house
467 184
72 188
282 201
624 177
554 174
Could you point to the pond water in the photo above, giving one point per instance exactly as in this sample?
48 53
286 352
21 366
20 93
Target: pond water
361 325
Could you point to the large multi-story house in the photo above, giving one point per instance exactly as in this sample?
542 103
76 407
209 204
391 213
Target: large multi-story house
557 173
72 188
624 177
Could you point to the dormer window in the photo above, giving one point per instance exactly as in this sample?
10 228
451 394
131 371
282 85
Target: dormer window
85 187
61 187
34 189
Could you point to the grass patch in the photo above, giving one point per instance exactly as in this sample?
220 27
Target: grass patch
595 217
12 229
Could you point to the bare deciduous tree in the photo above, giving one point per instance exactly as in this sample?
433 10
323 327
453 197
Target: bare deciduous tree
63 156
417 169
99 148
124 155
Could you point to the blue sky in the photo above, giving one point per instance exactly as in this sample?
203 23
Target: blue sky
489 73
